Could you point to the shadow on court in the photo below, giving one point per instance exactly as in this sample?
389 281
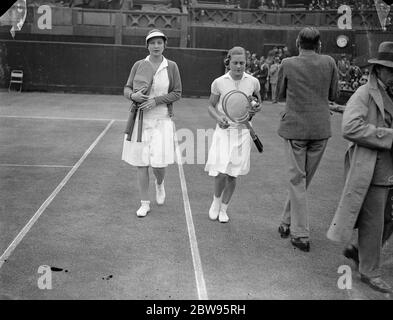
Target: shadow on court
87 231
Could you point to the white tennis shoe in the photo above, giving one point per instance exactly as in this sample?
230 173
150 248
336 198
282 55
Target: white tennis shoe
160 193
214 210
223 217
144 209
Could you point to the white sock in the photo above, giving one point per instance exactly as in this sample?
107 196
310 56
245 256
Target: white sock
217 201
224 207
145 203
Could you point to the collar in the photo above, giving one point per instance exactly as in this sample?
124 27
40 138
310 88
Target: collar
304 52
228 76
375 92
164 63
383 86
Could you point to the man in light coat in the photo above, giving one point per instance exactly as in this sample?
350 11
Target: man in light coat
368 125
307 81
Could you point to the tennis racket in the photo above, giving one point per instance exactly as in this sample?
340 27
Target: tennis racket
236 107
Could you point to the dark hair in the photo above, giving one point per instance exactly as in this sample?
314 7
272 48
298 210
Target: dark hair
309 38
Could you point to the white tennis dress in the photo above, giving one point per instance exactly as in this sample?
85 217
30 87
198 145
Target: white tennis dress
157 146
229 152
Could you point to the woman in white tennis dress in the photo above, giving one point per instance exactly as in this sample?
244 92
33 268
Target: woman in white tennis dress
156 148
229 153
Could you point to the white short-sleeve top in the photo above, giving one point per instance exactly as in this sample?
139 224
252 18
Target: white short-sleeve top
224 84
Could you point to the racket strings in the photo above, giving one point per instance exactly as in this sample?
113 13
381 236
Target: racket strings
235 105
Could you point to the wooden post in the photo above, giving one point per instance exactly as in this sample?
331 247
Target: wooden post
118 27
183 27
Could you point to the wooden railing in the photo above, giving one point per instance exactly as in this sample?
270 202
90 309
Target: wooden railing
364 20
120 23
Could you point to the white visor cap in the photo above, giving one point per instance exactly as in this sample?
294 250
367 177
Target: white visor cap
155 33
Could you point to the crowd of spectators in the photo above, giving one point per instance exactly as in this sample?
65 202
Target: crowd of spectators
265 69
334 4
312 5
115 4
351 76
302 5
93 4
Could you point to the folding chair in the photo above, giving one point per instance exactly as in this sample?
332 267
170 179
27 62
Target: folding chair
16 77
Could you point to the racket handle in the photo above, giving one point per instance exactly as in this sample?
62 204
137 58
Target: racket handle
258 144
254 137
130 123
140 124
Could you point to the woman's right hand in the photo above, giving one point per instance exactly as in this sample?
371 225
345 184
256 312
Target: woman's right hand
222 122
139 97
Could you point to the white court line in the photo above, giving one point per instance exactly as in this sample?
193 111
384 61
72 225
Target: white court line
47 202
33 165
60 118
196 259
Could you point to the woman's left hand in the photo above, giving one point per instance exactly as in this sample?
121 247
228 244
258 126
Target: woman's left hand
148 104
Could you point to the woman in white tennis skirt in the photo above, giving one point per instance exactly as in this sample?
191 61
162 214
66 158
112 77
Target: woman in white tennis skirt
229 154
157 147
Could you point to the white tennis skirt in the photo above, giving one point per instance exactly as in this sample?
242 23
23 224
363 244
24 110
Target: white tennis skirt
157 148
229 152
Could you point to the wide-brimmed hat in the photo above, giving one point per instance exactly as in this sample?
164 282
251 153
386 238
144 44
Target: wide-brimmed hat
385 55
155 33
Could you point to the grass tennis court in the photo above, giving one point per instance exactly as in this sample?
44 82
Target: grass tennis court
68 201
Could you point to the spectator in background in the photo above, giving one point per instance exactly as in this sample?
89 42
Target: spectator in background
366 72
248 61
286 53
328 5
273 53
343 68
363 80
275 5
280 54
262 75
354 72
273 77
255 66
264 5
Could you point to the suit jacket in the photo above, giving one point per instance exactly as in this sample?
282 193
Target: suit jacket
307 81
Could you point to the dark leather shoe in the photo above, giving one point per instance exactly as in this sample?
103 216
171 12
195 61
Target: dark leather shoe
352 253
301 243
376 283
284 230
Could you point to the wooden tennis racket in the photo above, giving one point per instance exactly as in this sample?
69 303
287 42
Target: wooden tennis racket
236 106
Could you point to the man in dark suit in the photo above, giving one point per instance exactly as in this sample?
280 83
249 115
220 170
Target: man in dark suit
307 81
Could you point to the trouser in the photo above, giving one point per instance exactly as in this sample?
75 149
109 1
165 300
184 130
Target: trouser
303 157
375 226
274 91
263 90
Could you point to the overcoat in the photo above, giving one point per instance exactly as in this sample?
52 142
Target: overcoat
364 126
